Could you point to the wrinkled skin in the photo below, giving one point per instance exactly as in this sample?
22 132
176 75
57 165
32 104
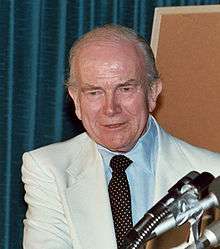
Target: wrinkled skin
112 97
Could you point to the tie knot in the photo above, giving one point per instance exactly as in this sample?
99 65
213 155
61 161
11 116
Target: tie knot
119 163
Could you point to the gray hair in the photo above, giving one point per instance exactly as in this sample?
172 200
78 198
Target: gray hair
116 33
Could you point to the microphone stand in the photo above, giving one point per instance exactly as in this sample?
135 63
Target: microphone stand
195 231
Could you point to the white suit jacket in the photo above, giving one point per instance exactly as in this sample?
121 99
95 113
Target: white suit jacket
67 195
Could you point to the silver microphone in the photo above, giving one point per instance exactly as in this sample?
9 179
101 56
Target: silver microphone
173 193
181 197
194 208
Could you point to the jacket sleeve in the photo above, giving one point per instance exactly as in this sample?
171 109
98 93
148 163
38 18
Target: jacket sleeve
45 225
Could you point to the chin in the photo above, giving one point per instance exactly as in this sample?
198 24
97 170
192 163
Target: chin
117 147
114 143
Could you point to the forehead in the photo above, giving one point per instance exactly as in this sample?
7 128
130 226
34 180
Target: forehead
98 58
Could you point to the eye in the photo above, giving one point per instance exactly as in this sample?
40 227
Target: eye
127 89
94 92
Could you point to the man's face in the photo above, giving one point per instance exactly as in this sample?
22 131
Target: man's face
112 99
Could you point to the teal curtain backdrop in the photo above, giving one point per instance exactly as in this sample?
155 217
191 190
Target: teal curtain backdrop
35 36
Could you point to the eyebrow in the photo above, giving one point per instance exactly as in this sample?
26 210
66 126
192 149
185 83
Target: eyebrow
129 82
88 86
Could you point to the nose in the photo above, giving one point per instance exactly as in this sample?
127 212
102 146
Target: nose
112 105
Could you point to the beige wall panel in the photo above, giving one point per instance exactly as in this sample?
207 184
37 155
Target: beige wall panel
187 46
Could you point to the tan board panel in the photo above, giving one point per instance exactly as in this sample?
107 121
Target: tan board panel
188 58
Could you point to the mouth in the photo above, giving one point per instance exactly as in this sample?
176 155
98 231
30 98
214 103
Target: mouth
114 126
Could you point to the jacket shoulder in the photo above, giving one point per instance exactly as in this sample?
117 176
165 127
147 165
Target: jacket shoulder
200 159
64 147
195 150
59 155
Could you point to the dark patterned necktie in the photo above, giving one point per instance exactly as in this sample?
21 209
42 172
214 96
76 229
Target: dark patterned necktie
120 198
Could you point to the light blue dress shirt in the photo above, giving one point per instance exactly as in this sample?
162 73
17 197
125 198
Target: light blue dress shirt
141 173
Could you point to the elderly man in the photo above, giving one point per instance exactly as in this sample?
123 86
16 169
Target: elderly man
89 191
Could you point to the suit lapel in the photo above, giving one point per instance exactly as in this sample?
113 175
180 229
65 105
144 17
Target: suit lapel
167 174
88 200
171 164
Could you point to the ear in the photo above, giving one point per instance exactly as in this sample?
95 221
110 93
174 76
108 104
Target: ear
153 93
73 92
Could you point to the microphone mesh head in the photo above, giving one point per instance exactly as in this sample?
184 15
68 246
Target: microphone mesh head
214 188
203 181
